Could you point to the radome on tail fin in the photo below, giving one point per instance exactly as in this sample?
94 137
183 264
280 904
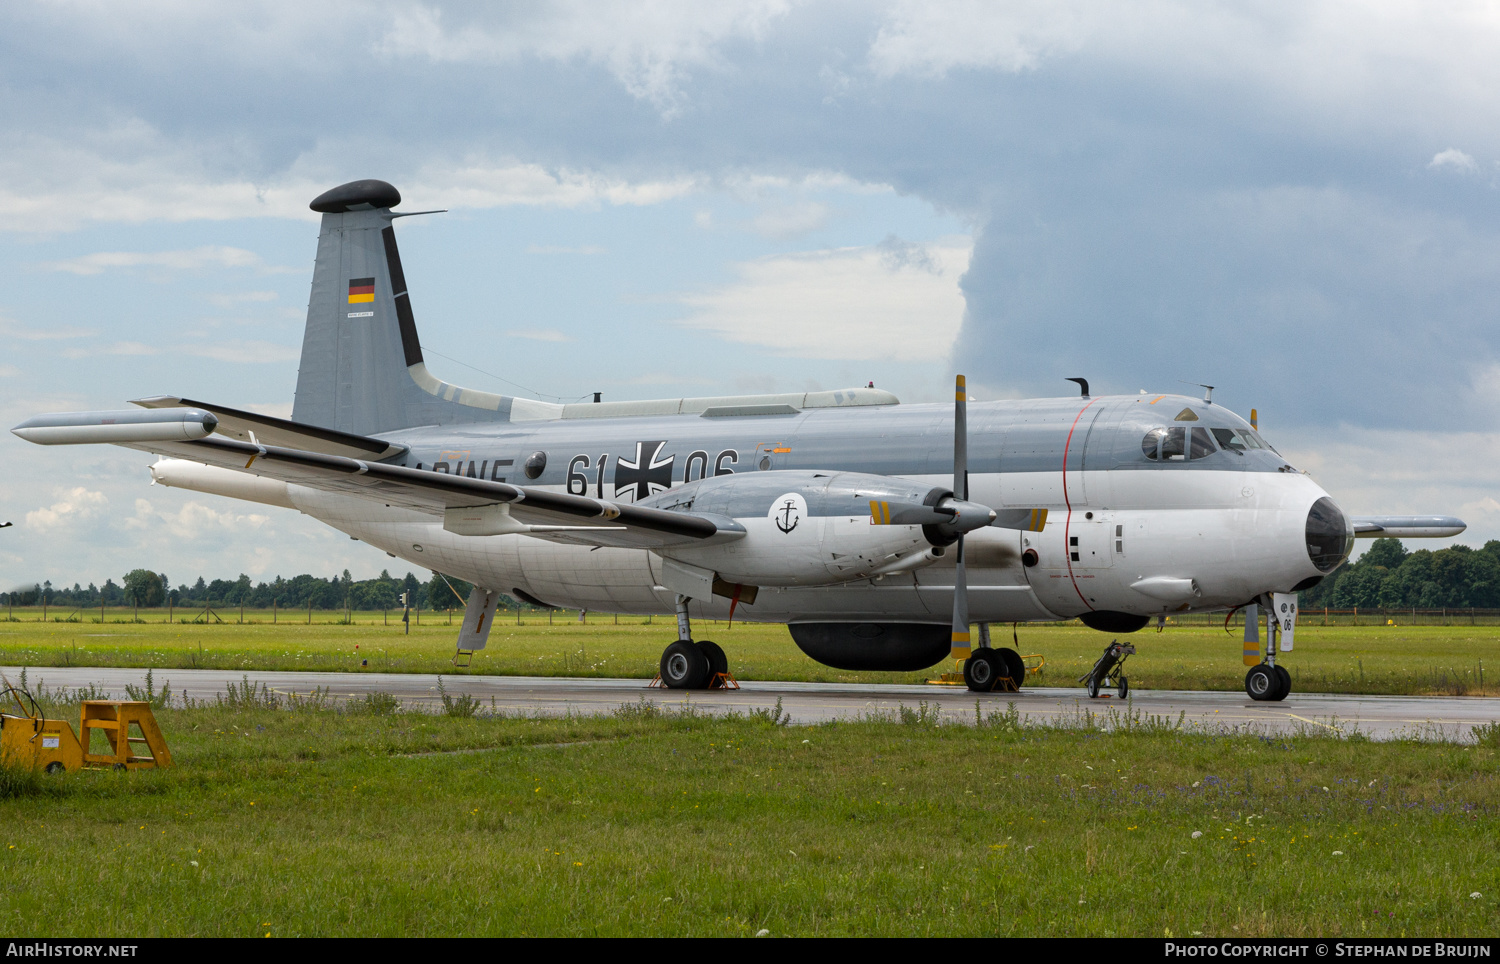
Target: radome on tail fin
362 369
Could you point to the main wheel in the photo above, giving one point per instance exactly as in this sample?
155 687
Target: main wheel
982 669
1286 682
717 661
1262 683
1015 666
1091 687
684 667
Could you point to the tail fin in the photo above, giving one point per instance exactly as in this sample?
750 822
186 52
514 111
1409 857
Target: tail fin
362 369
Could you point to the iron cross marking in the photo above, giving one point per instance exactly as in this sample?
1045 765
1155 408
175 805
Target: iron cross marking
647 474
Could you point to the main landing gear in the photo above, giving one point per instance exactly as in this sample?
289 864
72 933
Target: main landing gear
689 665
988 669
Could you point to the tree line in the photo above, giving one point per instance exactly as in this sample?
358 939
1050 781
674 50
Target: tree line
148 589
1387 575
1390 576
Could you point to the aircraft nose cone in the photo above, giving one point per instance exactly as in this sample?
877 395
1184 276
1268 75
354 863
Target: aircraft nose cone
1330 535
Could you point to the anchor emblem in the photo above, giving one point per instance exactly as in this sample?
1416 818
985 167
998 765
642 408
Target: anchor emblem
788 516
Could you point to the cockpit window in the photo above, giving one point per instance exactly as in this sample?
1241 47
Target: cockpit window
1229 439
1177 444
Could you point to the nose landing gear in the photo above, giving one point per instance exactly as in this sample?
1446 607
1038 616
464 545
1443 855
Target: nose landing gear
1269 682
686 665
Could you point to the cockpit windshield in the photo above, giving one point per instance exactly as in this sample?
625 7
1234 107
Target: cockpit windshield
1177 444
1239 439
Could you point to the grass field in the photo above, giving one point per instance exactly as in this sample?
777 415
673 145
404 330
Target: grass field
1454 660
346 822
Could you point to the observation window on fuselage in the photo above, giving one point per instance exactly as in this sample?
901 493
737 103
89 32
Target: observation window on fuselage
1177 444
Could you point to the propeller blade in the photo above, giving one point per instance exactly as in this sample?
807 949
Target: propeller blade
961 439
960 646
1027 520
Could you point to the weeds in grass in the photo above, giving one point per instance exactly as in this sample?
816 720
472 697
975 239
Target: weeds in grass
246 696
1006 721
380 704
772 715
641 709
149 694
926 714
1487 734
462 706
321 698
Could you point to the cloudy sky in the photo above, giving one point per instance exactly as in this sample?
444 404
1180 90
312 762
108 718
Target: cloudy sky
1295 202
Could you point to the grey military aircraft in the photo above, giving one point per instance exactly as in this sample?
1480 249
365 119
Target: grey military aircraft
877 531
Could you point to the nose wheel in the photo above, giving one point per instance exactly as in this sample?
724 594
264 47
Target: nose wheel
1268 684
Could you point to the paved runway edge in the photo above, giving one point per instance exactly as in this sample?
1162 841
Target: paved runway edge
1375 717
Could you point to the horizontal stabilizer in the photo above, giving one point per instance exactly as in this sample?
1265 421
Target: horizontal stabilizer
1406 526
130 425
270 430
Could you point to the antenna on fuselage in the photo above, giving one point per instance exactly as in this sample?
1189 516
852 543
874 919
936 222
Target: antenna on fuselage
1208 392
1083 383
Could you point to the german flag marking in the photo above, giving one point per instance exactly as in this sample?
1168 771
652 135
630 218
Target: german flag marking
361 290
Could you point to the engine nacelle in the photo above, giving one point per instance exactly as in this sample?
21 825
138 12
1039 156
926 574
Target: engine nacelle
803 528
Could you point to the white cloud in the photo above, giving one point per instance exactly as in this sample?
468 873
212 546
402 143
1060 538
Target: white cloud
891 301
538 334
9 371
931 39
649 48
791 221
74 505
193 520
1401 472
489 184
1454 158
50 184
212 255
12 329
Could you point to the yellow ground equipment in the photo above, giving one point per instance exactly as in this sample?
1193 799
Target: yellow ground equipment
33 740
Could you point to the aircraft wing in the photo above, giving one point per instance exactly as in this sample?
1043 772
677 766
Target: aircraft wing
468 506
1406 526
268 430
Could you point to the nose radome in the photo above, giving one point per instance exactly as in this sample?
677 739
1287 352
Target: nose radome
1330 536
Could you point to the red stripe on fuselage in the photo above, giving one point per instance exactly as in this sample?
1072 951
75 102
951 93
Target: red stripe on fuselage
1068 522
